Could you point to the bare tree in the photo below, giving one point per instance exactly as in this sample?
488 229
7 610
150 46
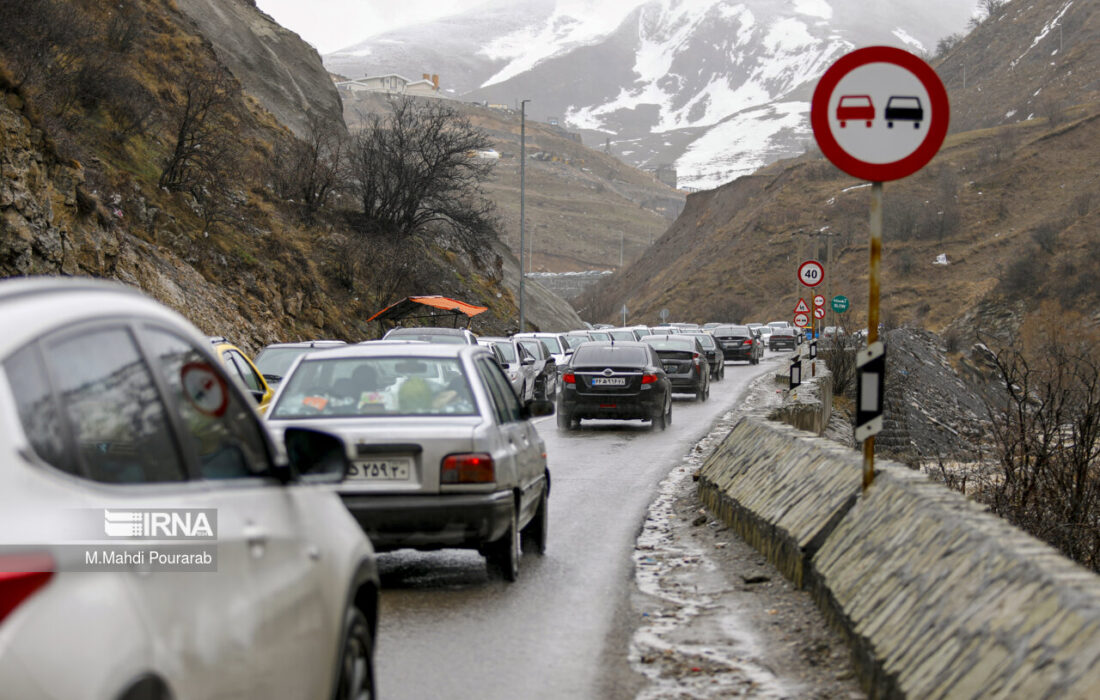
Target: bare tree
417 166
203 130
308 170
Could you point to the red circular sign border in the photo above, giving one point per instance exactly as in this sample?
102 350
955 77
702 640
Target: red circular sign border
819 266
880 172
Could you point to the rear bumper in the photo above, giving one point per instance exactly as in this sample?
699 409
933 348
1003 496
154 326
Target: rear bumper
431 521
789 344
738 354
620 407
689 384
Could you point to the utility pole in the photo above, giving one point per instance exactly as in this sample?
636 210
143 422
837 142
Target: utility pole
522 176
620 250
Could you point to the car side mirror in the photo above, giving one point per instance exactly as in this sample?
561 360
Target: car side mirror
317 457
538 407
528 360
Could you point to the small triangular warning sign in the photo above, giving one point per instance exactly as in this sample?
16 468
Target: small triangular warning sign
802 307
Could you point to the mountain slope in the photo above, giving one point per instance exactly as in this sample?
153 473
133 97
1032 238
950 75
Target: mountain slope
581 205
1013 208
81 191
658 76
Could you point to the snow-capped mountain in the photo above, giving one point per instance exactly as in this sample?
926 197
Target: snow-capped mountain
718 87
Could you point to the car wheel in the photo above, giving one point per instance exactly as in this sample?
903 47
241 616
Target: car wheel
356 668
668 415
503 555
565 421
660 421
534 535
701 394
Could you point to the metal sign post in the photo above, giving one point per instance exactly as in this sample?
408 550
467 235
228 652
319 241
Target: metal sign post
856 106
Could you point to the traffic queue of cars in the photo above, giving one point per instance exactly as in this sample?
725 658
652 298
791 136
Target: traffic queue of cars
217 520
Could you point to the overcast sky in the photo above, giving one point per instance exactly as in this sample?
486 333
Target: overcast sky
330 25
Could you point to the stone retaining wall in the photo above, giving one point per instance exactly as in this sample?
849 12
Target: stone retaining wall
810 405
937 597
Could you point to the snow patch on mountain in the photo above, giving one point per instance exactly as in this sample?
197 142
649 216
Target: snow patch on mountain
572 24
742 144
814 8
908 39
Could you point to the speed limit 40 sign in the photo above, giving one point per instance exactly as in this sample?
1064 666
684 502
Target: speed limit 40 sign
811 273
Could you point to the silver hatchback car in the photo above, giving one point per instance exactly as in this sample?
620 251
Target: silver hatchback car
153 543
443 452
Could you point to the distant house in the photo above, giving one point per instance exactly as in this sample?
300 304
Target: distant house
394 84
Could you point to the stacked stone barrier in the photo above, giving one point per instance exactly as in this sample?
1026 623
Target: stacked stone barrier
937 597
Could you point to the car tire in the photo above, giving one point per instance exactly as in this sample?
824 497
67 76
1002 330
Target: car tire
660 422
668 416
701 394
356 680
565 420
534 535
502 556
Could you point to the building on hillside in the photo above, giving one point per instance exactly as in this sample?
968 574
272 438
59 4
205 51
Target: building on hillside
394 84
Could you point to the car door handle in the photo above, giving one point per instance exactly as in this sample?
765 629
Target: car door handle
256 539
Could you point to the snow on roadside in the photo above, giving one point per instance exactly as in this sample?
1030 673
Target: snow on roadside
674 572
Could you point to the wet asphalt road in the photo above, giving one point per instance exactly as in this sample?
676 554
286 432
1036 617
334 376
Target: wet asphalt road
447 631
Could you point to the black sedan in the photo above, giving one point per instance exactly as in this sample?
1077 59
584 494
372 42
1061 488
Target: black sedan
715 357
784 338
685 363
740 343
623 380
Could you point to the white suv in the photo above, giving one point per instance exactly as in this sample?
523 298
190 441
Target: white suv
152 542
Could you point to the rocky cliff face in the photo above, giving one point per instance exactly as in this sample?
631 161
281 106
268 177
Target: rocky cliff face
273 64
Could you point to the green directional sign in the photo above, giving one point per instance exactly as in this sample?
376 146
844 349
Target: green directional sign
840 303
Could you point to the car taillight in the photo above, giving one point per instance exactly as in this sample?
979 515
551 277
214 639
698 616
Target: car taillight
569 378
695 356
467 469
748 342
20 576
649 379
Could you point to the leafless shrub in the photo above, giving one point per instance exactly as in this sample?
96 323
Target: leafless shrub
839 355
906 263
377 267
1046 237
308 170
1046 427
1021 277
1082 203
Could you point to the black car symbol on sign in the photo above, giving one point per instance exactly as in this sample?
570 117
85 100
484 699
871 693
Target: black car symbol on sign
904 109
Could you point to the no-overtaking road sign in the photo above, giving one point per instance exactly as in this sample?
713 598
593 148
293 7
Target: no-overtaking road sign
879 113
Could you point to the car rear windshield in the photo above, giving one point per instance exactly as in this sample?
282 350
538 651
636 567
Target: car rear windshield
737 331
682 344
608 355
706 340
575 340
276 361
376 386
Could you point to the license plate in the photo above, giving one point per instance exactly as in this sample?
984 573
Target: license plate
387 469
608 381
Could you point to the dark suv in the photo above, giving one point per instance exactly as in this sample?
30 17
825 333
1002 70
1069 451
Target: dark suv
621 380
740 343
685 363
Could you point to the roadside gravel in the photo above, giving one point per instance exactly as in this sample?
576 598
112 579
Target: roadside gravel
713 618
